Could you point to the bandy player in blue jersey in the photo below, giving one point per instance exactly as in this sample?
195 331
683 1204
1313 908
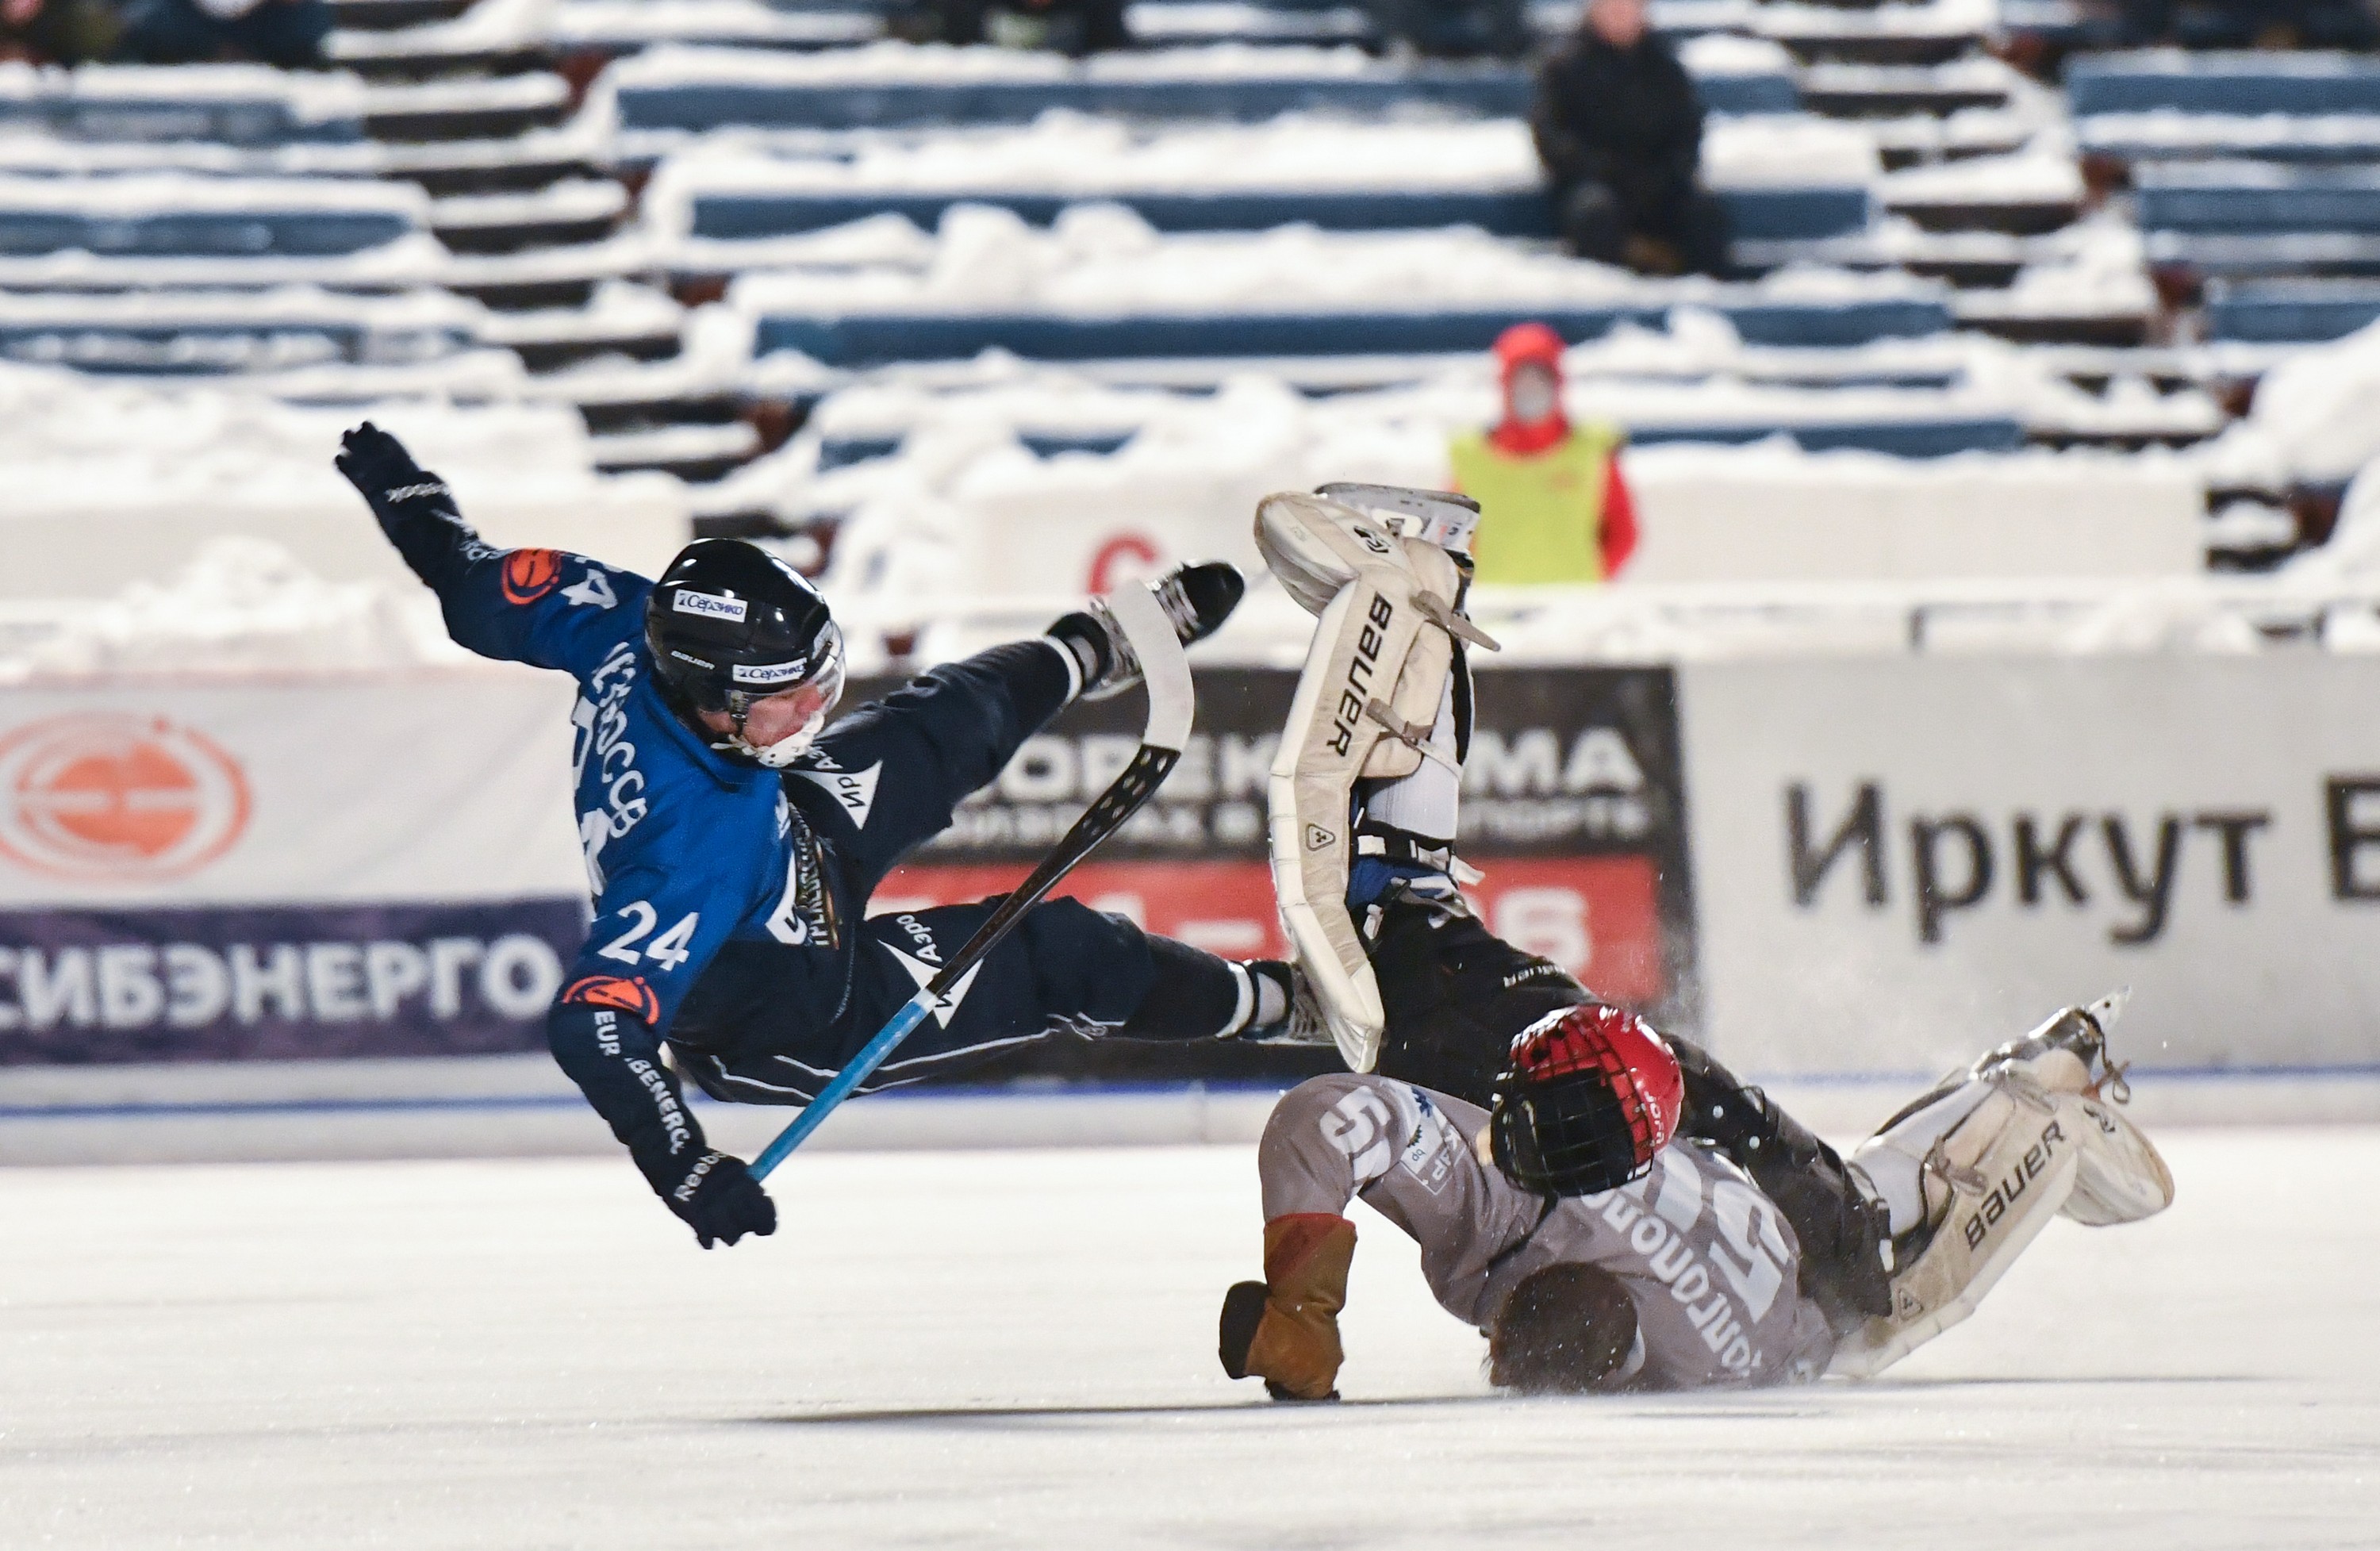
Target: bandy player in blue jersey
733 839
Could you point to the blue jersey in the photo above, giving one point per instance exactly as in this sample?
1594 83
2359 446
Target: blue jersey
728 897
686 849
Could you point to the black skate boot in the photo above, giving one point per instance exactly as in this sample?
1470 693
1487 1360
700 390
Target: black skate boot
1198 598
1301 1019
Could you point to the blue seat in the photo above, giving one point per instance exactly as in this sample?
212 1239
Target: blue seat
2226 83
2256 197
1909 437
122 103
1487 91
2289 311
200 234
868 339
1524 212
2098 136
183 350
214 335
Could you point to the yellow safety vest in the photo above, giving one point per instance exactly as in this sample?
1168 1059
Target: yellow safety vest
1540 516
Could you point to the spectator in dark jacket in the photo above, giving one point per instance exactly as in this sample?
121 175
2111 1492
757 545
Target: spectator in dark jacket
1621 131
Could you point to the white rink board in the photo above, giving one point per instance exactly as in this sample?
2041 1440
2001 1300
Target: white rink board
2139 752
1016 1350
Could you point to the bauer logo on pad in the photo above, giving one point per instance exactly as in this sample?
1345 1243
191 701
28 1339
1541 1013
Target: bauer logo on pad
709 605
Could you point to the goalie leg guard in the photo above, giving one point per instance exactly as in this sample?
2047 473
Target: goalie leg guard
1994 1161
1984 1161
1370 694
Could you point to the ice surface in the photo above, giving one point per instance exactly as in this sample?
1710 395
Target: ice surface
1017 1350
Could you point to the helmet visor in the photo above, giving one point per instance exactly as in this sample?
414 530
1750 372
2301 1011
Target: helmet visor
773 715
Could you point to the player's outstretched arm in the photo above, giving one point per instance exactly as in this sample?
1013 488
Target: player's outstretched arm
544 607
614 1055
652 939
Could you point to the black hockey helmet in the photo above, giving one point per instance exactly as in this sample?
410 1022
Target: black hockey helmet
1590 1096
730 624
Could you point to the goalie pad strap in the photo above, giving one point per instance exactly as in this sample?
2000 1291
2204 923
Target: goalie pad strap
1405 850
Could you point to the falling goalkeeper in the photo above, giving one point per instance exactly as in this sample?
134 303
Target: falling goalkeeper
1513 1124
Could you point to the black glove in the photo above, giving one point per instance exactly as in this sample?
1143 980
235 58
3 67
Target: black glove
415 508
719 1199
397 487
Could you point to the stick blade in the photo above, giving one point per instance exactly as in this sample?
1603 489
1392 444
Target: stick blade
1164 666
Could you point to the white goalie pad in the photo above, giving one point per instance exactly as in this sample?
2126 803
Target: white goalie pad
1366 702
1993 1182
2120 1176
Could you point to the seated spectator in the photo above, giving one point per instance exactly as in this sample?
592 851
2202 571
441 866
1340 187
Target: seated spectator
1620 129
1074 28
1552 504
1453 28
285 32
58 31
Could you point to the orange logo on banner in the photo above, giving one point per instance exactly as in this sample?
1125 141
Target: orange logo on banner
529 575
99 796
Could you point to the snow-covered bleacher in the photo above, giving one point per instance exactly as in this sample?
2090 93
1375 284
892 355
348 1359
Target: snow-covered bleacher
666 95
764 203
235 104
1101 284
1783 178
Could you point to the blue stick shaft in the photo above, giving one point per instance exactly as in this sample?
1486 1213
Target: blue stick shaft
855 1072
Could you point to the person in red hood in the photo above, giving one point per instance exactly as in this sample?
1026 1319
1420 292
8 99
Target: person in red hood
1553 506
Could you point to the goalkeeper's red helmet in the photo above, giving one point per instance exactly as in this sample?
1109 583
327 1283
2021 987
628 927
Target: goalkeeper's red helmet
1590 1095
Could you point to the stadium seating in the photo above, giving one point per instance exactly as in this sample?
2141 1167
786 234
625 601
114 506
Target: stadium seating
689 90
224 218
1763 213
857 339
232 104
2240 84
2289 311
217 333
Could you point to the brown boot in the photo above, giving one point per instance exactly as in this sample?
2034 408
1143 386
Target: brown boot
1285 1329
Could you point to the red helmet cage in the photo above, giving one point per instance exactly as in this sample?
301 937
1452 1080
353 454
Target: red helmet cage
1590 1096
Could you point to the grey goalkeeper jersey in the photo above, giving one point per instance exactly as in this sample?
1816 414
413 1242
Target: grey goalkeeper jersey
1710 1263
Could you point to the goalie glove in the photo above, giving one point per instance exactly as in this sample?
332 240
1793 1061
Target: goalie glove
1198 598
